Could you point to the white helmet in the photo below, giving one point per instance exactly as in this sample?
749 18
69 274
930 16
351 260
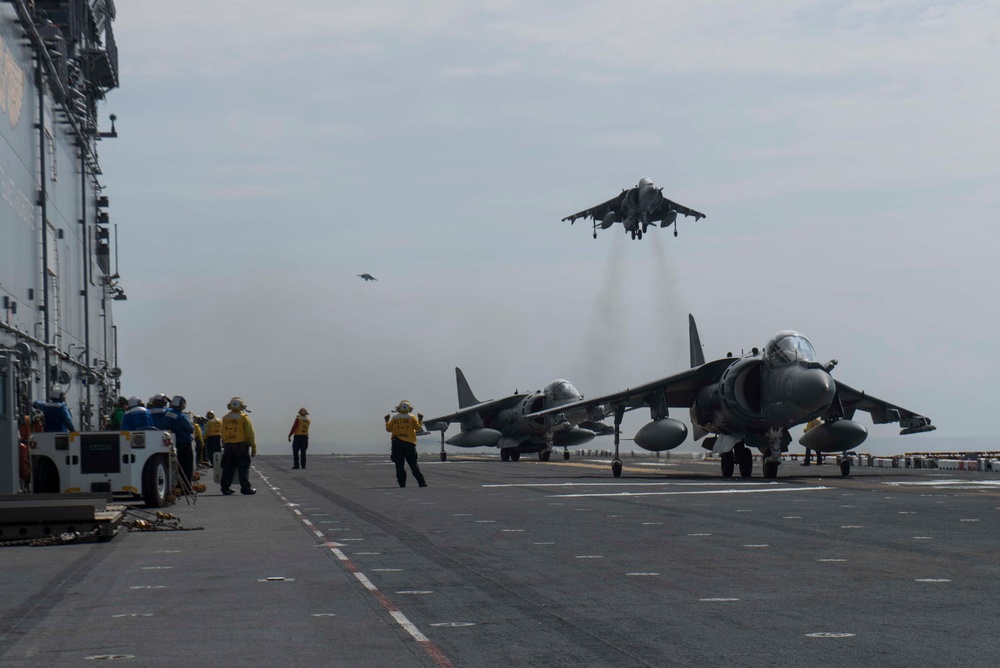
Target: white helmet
134 401
236 404
178 402
404 407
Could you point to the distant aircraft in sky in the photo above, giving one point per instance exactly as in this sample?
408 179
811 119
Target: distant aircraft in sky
501 423
367 277
751 401
636 209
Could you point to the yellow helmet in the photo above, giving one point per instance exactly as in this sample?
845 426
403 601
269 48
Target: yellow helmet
404 407
236 404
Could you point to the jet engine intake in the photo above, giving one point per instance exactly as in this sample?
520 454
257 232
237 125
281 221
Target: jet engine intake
608 220
662 434
836 436
475 438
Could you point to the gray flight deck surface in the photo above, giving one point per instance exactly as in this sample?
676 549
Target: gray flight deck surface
531 564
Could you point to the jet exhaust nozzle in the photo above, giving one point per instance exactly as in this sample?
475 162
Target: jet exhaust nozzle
662 434
836 436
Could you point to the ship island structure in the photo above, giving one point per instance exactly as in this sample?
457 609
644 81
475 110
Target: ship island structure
58 276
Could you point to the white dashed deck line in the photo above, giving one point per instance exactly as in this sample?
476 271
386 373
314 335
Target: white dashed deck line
363 579
408 625
710 491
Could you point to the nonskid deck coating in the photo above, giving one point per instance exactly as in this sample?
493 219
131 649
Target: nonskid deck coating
530 563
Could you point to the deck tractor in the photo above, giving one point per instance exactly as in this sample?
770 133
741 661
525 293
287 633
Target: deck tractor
133 465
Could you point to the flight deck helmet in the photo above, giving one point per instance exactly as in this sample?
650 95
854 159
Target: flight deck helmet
134 401
210 415
178 402
57 395
236 404
303 411
404 407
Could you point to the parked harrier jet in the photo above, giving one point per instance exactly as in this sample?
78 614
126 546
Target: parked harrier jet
367 277
636 209
501 423
752 401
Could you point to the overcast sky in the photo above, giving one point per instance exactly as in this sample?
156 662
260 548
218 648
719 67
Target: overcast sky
845 153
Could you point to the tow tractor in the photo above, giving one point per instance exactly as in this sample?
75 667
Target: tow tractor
133 465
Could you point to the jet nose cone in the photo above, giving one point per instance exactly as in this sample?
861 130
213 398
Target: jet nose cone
813 389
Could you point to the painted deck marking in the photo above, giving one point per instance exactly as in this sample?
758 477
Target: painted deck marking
432 650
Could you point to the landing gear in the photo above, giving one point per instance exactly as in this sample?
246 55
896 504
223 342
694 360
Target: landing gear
544 455
616 463
845 466
444 455
565 454
728 464
744 458
504 454
515 455
771 469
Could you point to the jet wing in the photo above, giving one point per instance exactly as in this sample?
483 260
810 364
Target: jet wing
882 412
679 390
598 212
666 206
481 409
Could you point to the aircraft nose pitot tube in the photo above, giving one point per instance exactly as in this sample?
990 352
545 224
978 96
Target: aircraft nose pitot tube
836 436
662 434
812 389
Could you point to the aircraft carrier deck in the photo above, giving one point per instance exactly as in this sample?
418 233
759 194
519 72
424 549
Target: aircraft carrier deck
530 564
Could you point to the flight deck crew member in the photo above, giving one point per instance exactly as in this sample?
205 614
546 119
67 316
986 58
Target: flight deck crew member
158 411
238 447
136 418
176 421
213 436
56 412
115 420
404 427
819 455
299 437
199 441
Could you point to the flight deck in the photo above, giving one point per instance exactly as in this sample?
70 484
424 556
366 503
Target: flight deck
530 563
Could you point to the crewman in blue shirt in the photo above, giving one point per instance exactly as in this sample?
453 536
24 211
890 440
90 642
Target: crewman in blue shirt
180 424
56 412
158 411
136 418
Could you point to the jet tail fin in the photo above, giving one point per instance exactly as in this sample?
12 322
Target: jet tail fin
465 395
697 354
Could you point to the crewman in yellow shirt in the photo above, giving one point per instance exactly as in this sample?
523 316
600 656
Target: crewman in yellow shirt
404 427
238 447
213 436
300 432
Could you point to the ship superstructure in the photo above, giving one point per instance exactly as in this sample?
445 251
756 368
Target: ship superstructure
58 60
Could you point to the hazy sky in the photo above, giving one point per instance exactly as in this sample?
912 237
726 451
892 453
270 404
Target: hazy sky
845 153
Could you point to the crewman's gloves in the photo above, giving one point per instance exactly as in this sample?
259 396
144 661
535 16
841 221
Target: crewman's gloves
420 416
386 417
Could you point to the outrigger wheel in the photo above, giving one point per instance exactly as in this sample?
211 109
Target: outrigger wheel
728 464
845 466
616 468
566 454
444 456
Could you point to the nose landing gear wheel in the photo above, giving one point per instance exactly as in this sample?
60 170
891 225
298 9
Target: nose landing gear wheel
845 467
728 464
616 468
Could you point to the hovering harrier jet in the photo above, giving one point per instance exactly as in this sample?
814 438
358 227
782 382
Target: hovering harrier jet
367 277
636 209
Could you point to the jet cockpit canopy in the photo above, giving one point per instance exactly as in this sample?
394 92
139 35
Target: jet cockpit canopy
788 347
645 181
561 391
